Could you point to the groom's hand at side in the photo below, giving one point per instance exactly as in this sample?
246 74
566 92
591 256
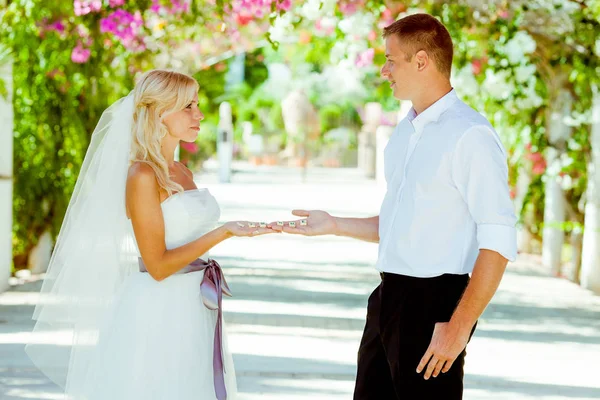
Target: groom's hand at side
317 223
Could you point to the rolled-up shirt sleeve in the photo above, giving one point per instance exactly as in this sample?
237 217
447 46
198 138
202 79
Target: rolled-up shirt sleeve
480 172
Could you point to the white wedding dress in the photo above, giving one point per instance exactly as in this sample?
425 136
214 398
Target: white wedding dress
157 342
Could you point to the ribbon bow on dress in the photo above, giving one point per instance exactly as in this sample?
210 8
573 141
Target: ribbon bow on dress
212 289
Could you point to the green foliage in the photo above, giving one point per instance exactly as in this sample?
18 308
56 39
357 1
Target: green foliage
481 39
57 103
330 116
255 70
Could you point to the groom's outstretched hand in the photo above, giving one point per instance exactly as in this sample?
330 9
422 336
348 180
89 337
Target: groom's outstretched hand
312 223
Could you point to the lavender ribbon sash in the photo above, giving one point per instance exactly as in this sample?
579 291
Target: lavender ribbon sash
212 289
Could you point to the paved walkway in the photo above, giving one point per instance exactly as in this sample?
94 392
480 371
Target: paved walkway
299 307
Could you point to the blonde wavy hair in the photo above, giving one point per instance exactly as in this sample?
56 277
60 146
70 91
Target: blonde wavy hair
158 93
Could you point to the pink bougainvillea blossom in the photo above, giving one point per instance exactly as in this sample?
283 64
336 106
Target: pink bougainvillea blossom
387 18
243 19
58 26
191 148
365 58
177 7
284 5
155 7
126 27
349 7
538 162
246 10
83 7
180 6
539 168
535 157
476 66
80 55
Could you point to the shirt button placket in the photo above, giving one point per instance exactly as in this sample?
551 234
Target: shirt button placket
412 143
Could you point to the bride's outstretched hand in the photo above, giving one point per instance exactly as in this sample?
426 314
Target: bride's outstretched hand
313 223
246 228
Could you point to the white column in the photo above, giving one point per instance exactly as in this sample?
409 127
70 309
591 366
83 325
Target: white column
524 237
225 142
554 209
6 170
554 215
590 259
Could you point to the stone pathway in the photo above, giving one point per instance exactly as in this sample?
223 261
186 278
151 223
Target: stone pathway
299 307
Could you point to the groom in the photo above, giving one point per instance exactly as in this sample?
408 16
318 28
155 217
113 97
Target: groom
446 214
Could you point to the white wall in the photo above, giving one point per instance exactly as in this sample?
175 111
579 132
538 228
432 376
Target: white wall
6 171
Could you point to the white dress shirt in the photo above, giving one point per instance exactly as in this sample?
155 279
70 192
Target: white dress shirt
447 193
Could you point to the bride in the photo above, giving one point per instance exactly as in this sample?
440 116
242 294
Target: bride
138 310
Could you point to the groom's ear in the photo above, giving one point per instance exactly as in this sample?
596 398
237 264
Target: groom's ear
422 60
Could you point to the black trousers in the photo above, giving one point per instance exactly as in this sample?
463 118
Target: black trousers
401 315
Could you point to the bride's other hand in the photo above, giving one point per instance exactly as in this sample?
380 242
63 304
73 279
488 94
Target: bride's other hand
246 228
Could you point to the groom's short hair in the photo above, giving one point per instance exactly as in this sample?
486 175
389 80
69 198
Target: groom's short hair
424 32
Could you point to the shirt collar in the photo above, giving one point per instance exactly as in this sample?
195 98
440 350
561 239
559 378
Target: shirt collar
431 113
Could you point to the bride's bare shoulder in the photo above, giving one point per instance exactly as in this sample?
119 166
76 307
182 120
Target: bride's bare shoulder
141 175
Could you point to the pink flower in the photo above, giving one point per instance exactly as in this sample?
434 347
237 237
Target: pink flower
83 7
284 5
503 14
387 18
535 157
191 148
96 5
57 26
349 7
80 55
155 7
539 164
116 3
243 19
539 167
126 27
365 58
476 66
179 6
256 8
